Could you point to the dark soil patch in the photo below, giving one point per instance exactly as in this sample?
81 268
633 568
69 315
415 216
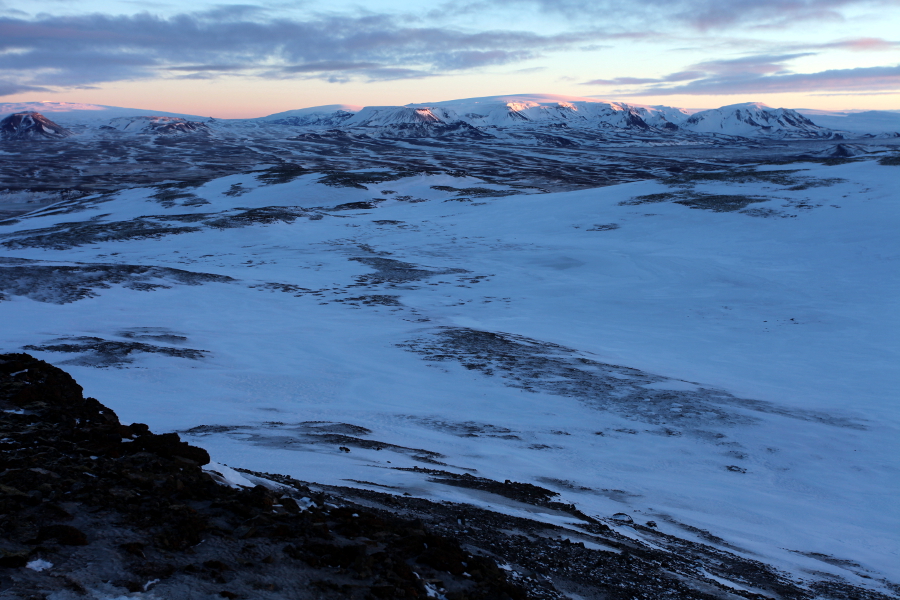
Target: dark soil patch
719 202
153 334
373 300
537 366
169 198
283 173
245 217
98 352
388 270
649 199
713 202
236 189
478 192
781 177
63 236
364 205
299 436
63 284
359 180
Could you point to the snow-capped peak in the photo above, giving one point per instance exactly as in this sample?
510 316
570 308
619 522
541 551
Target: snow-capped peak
157 124
751 119
326 109
78 113
30 125
396 115
547 109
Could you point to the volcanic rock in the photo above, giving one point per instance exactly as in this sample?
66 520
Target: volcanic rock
30 126
91 506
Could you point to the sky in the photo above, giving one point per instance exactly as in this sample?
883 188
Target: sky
233 60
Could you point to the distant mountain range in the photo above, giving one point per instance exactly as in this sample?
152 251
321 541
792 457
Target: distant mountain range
495 116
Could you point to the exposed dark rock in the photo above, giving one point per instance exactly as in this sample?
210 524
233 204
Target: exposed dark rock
389 270
30 126
156 125
62 284
98 352
63 534
719 202
112 509
538 366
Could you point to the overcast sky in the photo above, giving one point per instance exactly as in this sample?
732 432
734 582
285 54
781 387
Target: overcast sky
243 60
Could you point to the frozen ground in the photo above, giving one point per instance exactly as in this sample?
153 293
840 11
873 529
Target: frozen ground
715 353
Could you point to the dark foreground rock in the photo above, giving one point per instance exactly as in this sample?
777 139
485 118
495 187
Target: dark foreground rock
91 508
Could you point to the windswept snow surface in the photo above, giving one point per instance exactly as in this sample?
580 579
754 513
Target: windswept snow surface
717 355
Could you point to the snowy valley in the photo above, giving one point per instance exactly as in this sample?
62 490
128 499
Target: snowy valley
679 330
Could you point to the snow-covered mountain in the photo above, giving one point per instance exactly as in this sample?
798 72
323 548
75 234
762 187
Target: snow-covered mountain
70 114
488 116
405 121
332 115
542 116
157 125
30 125
874 122
754 119
528 110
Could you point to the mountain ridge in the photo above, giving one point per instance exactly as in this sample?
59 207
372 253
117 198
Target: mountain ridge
514 112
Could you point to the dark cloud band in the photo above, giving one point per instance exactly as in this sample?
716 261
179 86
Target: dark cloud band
91 49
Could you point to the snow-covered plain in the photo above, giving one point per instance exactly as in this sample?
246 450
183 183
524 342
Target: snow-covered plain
717 355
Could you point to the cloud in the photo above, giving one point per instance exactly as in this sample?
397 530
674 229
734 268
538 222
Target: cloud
97 48
757 74
329 66
471 59
209 68
863 79
889 93
620 81
679 76
344 72
861 45
705 15
8 88
758 64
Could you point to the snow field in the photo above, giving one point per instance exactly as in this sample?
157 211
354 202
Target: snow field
786 325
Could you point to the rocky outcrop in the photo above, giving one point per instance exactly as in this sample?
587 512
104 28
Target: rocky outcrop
89 506
31 126
155 125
